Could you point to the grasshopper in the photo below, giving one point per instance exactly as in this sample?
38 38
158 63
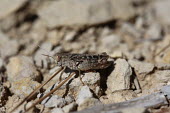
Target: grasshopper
79 62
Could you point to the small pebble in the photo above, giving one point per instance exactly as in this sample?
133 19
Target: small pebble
83 94
23 87
120 77
141 67
57 110
41 60
89 78
20 67
70 36
70 107
88 102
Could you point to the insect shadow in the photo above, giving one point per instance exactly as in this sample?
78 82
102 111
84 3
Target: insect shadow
104 73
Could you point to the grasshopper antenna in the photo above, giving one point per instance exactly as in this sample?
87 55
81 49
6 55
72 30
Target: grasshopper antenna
46 54
49 56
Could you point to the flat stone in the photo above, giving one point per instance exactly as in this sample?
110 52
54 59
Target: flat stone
89 78
141 67
8 7
5 44
39 58
120 78
70 107
20 67
57 110
92 12
83 94
161 9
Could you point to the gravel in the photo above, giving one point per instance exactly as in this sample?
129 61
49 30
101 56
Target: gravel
54 101
83 94
131 32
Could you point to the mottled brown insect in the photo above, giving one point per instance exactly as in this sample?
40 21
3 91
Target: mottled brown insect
79 62
82 62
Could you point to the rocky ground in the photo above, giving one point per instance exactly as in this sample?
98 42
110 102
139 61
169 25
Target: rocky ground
135 32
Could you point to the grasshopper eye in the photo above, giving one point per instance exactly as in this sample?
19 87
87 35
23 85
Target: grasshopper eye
103 61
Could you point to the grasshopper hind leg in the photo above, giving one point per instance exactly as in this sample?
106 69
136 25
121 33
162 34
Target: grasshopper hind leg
37 89
60 77
51 92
